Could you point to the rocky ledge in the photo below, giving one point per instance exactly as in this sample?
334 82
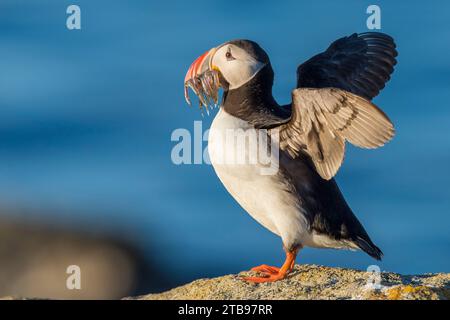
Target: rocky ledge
317 282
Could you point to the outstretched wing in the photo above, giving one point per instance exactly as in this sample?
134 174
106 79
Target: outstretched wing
323 119
361 64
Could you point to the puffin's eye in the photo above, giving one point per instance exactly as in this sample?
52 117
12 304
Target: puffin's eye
229 56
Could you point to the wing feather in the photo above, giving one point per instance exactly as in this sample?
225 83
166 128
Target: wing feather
361 64
323 119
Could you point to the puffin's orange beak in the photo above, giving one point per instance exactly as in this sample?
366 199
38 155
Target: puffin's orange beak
200 65
195 77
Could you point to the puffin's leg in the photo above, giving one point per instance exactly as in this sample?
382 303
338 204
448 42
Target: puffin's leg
271 274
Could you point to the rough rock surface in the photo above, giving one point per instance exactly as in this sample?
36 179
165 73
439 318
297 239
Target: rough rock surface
317 282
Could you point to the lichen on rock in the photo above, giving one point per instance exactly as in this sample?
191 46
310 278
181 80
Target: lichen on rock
316 282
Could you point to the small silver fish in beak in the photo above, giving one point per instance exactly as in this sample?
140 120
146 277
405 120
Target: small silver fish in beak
203 78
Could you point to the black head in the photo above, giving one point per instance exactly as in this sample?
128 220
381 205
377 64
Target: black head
238 62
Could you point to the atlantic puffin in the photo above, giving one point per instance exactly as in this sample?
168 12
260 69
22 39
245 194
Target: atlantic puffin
331 105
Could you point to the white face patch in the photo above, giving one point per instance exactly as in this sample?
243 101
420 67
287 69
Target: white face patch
236 65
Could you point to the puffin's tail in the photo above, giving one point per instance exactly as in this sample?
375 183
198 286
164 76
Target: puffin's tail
369 247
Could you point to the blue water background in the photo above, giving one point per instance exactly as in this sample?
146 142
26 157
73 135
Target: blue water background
86 119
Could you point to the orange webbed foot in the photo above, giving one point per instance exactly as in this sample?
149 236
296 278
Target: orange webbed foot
264 268
266 278
271 274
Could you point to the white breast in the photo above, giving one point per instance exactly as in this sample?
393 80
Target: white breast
265 197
